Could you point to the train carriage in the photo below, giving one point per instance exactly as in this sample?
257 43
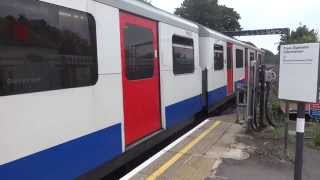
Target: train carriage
82 82
89 85
226 62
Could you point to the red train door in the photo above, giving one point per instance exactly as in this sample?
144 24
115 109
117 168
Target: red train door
140 77
229 69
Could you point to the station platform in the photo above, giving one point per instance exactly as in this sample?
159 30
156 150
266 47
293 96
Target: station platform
195 155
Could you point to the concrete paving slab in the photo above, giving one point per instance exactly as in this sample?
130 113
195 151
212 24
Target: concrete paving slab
219 156
158 163
200 160
206 143
191 167
231 118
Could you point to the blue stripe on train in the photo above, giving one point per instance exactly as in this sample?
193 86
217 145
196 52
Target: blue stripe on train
69 160
183 111
216 96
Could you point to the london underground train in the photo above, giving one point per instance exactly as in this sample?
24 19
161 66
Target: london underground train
88 85
227 62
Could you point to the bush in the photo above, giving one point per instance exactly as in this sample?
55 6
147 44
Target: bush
316 140
316 136
277 114
275 106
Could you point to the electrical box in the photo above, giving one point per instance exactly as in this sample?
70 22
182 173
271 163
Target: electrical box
299 72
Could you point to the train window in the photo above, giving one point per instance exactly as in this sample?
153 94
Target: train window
246 57
139 52
218 57
45 47
183 55
239 58
251 56
259 58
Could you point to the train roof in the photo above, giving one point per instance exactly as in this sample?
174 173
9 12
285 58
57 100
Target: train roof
151 12
206 32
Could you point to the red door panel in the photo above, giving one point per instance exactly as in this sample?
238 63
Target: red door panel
230 82
140 77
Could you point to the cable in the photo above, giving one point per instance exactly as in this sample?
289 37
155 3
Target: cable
253 122
266 106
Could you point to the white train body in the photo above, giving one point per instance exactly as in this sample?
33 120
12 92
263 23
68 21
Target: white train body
52 132
218 78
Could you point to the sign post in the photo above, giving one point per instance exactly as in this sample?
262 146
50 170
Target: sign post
299 141
299 82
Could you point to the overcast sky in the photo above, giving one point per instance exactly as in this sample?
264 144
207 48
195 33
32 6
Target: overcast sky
264 14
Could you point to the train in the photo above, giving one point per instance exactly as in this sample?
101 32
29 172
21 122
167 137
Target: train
88 85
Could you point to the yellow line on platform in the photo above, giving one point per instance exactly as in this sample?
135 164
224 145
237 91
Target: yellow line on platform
183 151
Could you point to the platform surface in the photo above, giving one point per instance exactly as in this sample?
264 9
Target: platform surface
196 156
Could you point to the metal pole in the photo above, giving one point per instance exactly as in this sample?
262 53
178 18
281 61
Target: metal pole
262 95
238 106
286 129
299 141
244 106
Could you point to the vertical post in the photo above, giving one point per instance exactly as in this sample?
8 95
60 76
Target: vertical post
286 129
245 104
299 141
262 95
238 110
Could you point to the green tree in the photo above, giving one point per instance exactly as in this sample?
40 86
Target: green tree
301 35
270 57
209 13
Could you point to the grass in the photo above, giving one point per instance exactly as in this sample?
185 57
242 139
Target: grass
316 140
316 134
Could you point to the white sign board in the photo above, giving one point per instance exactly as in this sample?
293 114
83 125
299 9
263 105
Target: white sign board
299 72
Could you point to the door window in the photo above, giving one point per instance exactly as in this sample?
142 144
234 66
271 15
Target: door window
229 57
139 52
259 58
246 57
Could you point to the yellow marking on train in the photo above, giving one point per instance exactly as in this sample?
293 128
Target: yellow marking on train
183 151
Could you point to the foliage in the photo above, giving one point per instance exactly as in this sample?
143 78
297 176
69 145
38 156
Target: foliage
301 35
276 106
209 13
271 58
268 52
276 112
316 135
316 140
